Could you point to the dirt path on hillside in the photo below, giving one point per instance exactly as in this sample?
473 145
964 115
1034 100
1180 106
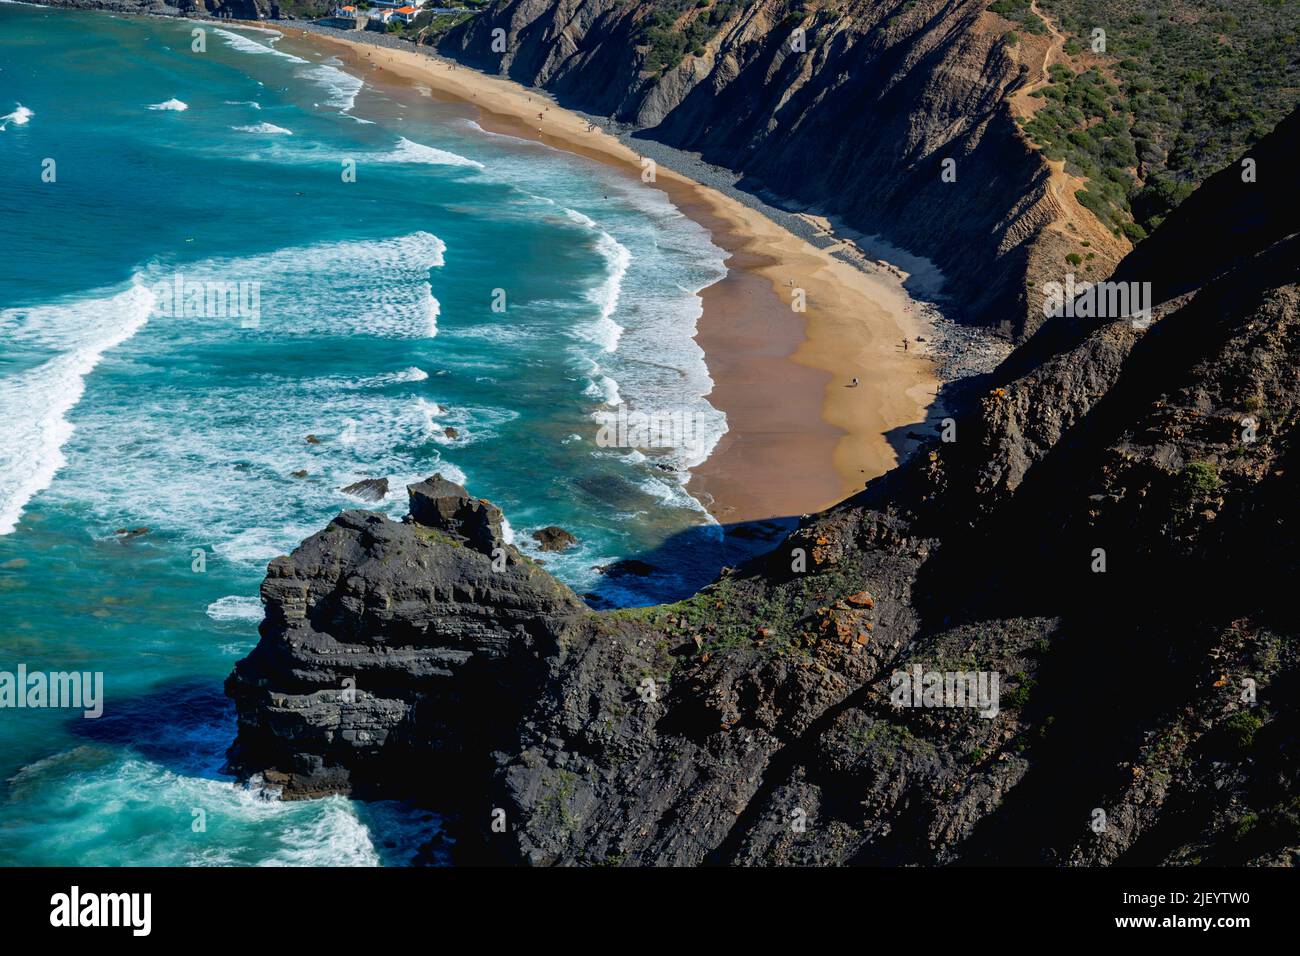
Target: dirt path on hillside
1075 222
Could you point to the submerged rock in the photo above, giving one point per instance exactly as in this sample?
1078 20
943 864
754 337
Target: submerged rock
369 489
553 538
630 567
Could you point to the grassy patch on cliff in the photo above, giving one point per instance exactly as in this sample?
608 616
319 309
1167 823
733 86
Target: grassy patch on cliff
734 615
1191 85
670 33
1019 12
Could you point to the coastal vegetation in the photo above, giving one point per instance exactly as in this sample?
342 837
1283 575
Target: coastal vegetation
1180 89
676 28
1020 12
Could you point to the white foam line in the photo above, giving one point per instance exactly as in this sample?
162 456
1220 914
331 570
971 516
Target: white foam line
236 607
245 44
34 403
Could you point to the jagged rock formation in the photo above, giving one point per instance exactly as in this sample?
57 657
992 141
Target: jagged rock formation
753 722
369 489
439 624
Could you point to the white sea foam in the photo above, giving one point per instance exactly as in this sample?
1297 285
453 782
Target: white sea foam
135 794
20 116
245 44
269 129
257 546
411 374
235 607
273 34
227 469
340 86
373 286
656 260
407 151
605 332
332 838
605 389
34 403
451 473
580 218
173 105
253 103
497 333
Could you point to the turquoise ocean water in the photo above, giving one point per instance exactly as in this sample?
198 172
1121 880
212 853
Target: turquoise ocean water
371 328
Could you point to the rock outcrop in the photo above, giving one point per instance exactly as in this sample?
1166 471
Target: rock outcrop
384 640
368 489
1108 537
552 538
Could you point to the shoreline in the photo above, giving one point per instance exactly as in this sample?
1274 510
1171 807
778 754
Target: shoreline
800 438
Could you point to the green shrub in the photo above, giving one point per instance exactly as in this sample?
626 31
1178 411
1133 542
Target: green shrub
1200 479
1242 727
1134 231
1198 85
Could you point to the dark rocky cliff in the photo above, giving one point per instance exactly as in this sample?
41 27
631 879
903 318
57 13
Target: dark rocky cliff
752 723
858 125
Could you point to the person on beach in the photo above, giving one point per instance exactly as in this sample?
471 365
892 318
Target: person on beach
855 383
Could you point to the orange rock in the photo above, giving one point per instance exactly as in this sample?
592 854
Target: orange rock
861 599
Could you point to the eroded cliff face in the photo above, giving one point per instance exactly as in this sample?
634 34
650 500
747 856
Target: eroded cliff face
857 124
1108 535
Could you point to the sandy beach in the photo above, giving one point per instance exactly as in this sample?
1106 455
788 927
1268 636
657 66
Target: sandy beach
801 437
